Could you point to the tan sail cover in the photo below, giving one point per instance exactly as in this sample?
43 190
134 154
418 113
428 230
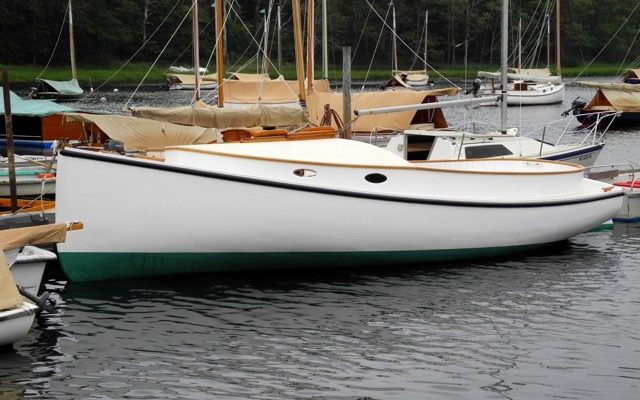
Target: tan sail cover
145 134
9 295
204 115
632 74
365 100
190 79
615 100
32 235
240 76
266 92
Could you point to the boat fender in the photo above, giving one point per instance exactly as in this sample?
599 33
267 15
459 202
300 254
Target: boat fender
43 301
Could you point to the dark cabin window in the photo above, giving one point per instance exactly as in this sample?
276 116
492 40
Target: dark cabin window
492 150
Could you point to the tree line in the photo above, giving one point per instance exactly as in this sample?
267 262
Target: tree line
107 32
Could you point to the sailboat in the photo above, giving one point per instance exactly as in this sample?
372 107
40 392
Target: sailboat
532 86
61 90
296 203
407 78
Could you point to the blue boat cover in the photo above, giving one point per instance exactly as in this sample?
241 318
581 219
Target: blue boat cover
66 88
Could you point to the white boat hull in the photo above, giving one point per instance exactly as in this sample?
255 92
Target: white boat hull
536 94
28 267
15 323
234 214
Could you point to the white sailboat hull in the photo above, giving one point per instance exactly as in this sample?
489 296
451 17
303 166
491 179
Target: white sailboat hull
28 267
233 214
15 323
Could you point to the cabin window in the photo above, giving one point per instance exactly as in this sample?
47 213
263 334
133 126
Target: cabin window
486 151
375 178
418 147
305 173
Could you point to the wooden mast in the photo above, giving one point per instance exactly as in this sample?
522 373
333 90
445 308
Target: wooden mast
310 44
72 46
297 36
196 48
558 71
279 42
394 49
220 50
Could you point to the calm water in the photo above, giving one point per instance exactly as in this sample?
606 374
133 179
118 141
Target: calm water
559 323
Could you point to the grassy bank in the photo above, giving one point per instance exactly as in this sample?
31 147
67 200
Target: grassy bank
135 73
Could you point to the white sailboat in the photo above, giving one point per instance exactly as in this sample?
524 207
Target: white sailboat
530 86
49 89
311 203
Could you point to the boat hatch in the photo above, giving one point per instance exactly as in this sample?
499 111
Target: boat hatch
418 147
486 151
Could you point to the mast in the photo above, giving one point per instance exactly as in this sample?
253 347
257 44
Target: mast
310 43
220 50
196 48
548 41
503 66
279 41
265 59
72 46
297 36
394 48
325 57
558 72
426 37
520 45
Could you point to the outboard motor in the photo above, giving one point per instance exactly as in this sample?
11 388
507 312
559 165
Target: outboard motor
576 106
115 146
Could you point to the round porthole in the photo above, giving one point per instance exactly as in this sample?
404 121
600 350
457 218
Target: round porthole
375 178
305 173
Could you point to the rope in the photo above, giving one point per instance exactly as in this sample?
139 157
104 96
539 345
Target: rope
609 42
431 67
141 47
376 48
66 12
156 60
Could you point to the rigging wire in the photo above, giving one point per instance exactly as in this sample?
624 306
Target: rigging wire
141 47
156 60
66 13
609 42
431 67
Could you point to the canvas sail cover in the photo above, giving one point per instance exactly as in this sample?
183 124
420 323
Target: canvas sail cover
32 235
9 296
145 134
240 76
534 75
32 108
266 92
204 115
190 79
631 74
67 88
366 100
614 100
414 75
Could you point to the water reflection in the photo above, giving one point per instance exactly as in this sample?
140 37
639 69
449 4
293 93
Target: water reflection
558 322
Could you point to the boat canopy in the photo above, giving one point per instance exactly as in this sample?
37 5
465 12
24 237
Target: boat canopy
382 122
631 74
9 296
203 115
266 92
240 76
67 88
32 108
613 97
413 75
145 134
190 79
532 75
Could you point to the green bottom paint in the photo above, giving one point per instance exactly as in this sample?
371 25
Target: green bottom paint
85 267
